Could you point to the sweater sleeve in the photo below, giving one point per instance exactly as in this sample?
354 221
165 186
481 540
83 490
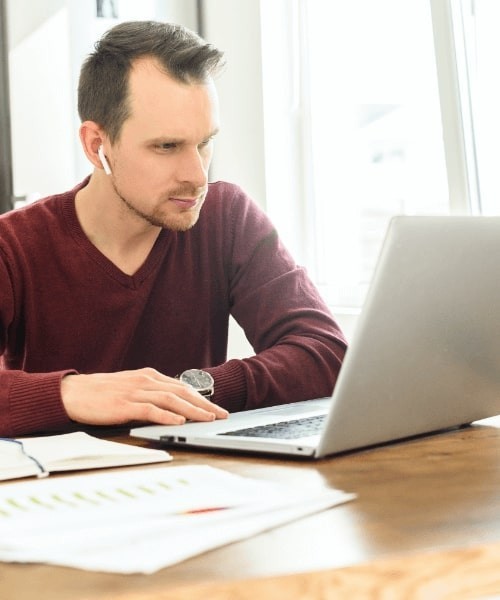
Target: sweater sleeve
298 345
29 402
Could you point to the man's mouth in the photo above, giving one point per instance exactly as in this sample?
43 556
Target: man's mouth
185 203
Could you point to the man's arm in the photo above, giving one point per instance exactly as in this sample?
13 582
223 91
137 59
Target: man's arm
30 402
54 401
45 402
298 345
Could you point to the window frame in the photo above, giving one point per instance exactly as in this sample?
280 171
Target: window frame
456 114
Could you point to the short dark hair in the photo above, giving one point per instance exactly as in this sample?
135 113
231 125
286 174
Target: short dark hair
103 84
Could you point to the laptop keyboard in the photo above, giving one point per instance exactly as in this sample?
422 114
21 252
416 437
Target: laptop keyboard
286 430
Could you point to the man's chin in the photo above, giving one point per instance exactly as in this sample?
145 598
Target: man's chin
180 222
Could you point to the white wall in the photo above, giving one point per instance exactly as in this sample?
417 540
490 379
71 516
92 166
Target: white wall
234 27
41 99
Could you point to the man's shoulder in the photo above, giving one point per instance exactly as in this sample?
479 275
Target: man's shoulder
39 212
229 208
229 198
31 227
224 190
31 214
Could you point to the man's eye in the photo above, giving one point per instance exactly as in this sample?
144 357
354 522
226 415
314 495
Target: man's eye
167 146
206 142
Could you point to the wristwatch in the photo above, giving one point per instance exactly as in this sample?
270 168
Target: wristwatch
200 380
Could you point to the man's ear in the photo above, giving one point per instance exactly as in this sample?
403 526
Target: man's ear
92 138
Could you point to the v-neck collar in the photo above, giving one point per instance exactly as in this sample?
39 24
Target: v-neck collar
131 281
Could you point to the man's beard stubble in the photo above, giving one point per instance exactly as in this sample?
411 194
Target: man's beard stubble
172 223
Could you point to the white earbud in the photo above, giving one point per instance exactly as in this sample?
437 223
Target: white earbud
105 164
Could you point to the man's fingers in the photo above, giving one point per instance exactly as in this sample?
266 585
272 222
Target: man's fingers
183 391
187 405
199 401
145 412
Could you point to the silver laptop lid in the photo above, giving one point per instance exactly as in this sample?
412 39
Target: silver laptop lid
426 351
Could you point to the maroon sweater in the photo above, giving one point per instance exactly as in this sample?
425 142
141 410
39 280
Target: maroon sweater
64 307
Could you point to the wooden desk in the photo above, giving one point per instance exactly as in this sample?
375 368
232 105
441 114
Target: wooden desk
427 512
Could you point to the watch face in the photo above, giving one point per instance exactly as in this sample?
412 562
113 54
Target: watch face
200 380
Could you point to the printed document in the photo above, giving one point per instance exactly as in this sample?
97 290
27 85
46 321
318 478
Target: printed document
142 520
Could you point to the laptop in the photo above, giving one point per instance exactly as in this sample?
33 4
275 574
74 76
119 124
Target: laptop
424 358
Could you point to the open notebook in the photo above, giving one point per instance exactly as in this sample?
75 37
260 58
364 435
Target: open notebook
425 355
39 456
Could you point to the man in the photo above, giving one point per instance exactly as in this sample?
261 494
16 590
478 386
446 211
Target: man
111 294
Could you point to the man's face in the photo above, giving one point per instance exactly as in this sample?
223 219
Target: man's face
160 161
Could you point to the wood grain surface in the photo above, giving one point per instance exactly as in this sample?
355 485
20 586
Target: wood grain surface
426 523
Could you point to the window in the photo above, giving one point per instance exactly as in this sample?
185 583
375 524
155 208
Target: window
355 117
477 26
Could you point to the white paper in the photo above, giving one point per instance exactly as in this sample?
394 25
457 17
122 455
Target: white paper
142 521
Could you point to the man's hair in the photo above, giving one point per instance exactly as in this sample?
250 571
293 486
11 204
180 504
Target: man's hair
103 85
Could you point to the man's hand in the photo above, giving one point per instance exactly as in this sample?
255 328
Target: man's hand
141 395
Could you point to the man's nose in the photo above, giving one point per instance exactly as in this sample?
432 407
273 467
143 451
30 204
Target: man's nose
193 168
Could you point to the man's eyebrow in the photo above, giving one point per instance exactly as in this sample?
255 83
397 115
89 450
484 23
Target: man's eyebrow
165 139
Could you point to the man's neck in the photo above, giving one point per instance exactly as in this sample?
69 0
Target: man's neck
123 237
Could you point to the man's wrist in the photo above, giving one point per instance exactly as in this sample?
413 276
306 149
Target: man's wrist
199 380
